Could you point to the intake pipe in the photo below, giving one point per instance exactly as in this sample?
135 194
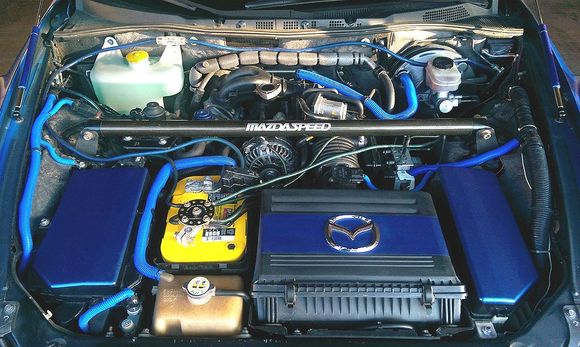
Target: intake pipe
536 164
245 79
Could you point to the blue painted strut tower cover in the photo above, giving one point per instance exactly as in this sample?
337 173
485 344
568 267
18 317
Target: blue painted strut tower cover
85 246
498 260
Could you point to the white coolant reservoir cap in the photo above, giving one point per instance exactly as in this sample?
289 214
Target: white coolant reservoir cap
442 75
199 290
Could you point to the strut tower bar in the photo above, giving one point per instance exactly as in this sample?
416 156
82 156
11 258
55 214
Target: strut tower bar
411 127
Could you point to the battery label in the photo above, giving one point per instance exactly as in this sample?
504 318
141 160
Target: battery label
218 235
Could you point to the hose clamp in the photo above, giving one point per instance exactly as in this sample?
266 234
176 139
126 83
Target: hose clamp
532 126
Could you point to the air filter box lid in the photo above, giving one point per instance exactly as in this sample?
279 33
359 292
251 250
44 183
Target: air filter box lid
293 243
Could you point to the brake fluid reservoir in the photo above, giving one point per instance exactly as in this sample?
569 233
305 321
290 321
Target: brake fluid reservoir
125 83
442 75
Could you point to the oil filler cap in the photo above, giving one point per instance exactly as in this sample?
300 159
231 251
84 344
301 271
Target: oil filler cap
199 290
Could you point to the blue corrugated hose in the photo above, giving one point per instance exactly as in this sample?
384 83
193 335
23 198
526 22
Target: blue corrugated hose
410 92
140 254
25 206
102 306
428 170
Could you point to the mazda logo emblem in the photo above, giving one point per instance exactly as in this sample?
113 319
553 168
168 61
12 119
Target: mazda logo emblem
363 225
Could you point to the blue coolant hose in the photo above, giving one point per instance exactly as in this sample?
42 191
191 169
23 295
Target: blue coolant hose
429 170
410 92
104 305
25 206
369 183
140 254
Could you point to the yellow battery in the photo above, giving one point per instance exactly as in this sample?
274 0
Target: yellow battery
192 236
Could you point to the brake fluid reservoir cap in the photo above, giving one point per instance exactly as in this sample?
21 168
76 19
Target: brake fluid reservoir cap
443 63
137 58
199 290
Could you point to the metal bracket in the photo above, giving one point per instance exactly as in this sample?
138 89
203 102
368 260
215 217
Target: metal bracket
8 317
485 140
88 142
485 329
573 319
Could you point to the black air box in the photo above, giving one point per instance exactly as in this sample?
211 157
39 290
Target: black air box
343 258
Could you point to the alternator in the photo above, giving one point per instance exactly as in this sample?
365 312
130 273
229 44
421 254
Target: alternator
270 157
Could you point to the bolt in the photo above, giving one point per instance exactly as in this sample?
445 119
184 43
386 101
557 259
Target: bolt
44 222
241 24
207 203
571 313
9 308
206 218
88 135
162 142
127 138
486 134
185 219
134 310
366 40
382 42
82 164
6 318
305 24
486 330
127 325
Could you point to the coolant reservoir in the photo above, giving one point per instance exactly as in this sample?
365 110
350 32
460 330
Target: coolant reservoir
125 83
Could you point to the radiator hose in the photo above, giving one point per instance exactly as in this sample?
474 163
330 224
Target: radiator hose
50 108
102 306
536 164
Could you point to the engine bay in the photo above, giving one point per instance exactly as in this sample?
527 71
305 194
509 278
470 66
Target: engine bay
383 186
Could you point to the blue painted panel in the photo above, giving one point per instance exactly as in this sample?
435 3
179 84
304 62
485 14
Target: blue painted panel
499 262
88 237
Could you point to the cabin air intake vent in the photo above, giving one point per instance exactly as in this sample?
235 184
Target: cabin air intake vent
265 25
291 25
448 14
